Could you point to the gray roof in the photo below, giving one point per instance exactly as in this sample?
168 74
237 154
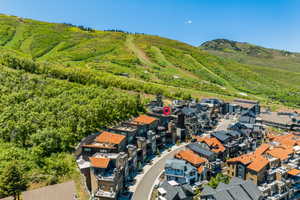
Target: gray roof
177 192
239 193
175 164
179 164
188 188
249 113
245 119
222 186
180 192
188 111
171 191
198 149
225 136
235 180
207 190
251 189
224 195
236 189
221 135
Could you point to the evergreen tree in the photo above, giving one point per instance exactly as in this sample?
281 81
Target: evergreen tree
12 182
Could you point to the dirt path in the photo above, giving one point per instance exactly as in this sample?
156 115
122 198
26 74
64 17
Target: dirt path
138 52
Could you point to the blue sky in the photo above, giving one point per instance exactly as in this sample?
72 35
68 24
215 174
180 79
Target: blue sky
270 23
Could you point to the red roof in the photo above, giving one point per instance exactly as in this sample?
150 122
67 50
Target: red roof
253 161
215 145
107 137
144 119
262 149
190 157
258 163
294 172
280 152
99 162
245 159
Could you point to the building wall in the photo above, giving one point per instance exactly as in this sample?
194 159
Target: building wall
94 182
256 177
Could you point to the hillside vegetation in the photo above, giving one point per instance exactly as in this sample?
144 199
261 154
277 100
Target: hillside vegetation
60 83
135 62
282 65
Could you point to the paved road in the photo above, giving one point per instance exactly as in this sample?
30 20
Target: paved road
144 187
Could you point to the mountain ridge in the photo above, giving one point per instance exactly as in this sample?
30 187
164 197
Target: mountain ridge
247 53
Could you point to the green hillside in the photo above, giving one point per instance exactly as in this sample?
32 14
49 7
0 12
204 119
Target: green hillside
254 55
60 83
136 62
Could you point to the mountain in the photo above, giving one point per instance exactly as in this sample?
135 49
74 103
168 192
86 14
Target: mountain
137 62
254 55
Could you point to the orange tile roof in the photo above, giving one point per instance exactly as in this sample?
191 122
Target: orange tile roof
200 169
294 172
107 137
258 163
99 162
190 157
214 143
262 149
287 139
253 161
280 152
144 119
245 159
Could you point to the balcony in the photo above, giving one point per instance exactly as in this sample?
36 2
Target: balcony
174 173
105 194
108 176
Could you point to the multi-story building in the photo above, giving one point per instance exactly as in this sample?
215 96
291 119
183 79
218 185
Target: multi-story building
195 160
147 128
294 176
212 144
235 142
109 172
273 167
201 151
180 171
141 149
249 167
128 130
132 160
105 142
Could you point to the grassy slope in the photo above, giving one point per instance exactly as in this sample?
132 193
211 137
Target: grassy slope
254 55
146 59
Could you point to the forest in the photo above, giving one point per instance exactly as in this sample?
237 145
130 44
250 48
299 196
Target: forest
42 119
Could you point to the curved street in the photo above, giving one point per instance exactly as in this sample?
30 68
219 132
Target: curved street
145 183
143 188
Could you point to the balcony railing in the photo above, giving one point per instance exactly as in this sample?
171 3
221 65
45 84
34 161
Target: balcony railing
106 194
